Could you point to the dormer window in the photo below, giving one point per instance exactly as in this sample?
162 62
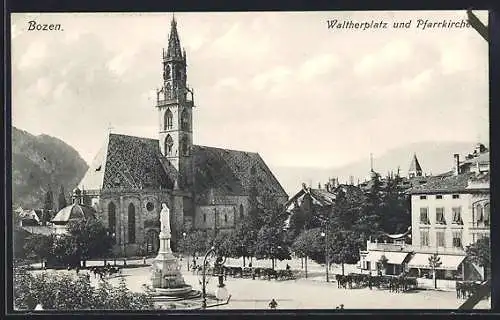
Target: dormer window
456 196
439 196
423 197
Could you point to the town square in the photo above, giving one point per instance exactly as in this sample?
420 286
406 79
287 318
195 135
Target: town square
244 166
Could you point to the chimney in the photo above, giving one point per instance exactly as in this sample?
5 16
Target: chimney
456 164
327 187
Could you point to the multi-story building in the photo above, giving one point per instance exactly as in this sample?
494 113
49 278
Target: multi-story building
449 212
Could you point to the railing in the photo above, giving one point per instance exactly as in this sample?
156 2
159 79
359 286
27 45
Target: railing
386 246
175 100
479 225
440 250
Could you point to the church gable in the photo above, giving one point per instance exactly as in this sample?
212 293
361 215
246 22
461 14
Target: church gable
94 177
134 163
233 172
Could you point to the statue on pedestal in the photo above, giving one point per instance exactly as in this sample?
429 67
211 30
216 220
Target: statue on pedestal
165 219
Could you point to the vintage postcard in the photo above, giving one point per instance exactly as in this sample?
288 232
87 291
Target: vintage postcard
250 160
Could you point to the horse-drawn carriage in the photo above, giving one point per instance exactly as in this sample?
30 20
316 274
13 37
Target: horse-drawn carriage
392 283
106 270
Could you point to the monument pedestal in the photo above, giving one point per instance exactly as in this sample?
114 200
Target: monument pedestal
166 277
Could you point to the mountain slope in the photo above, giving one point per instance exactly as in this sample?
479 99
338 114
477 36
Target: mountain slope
40 162
434 157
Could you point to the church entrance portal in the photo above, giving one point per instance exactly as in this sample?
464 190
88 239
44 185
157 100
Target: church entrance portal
152 242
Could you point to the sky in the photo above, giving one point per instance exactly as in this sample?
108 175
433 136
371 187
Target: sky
279 83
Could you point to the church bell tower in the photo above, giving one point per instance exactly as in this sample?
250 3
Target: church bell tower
175 110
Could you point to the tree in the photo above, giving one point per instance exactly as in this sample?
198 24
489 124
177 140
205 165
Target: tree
194 243
271 244
344 247
49 200
62 199
310 244
39 246
434 263
71 292
395 210
383 264
19 240
64 251
91 238
480 253
370 220
242 240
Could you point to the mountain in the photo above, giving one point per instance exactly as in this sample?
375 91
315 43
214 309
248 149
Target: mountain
434 157
40 162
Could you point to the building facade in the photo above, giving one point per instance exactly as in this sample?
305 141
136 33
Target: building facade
204 187
449 212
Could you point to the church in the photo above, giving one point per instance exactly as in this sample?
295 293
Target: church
204 187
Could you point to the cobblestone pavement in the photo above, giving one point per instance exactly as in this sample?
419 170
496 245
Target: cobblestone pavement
311 293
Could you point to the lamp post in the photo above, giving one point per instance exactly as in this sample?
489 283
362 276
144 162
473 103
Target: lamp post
184 248
221 292
204 284
327 256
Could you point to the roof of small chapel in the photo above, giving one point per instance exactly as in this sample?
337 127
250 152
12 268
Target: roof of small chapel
73 212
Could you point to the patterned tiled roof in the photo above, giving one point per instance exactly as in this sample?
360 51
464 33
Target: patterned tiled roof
444 183
232 172
128 162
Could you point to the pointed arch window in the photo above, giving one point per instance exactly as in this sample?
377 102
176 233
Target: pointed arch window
185 120
112 219
169 143
131 223
168 121
168 71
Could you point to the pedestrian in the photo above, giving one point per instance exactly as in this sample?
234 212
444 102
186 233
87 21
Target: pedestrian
250 265
287 267
342 307
273 304
144 260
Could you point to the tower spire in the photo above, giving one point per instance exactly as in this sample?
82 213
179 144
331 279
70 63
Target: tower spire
174 46
371 162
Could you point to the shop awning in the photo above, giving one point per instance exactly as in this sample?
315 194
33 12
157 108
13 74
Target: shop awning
448 262
392 257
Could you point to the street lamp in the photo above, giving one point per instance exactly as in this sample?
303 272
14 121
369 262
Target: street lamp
327 256
203 288
221 292
184 248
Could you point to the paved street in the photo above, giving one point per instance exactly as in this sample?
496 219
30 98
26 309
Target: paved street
311 293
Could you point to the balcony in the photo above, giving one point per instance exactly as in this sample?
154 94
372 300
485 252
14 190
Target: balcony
167 102
440 250
386 246
479 225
